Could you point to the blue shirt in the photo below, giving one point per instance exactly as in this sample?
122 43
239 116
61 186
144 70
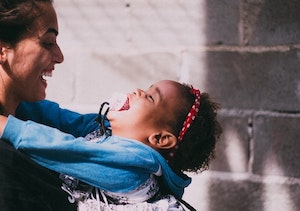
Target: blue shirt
115 164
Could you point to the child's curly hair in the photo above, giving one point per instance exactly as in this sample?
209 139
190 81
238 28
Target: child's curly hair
196 149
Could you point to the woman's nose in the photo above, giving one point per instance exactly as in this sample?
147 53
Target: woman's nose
58 55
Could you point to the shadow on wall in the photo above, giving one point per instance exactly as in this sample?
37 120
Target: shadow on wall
253 168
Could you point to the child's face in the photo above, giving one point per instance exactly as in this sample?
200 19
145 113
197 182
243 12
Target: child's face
147 111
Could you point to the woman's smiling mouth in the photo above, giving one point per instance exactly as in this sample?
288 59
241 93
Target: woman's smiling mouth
47 73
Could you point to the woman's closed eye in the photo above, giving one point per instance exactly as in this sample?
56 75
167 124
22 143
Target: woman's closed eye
48 41
48 44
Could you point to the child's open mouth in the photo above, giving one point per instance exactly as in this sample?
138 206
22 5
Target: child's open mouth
125 106
119 102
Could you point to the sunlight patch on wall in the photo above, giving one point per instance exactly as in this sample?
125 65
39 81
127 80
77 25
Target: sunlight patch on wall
276 195
197 194
235 155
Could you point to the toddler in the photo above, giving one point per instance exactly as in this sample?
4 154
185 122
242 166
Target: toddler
154 138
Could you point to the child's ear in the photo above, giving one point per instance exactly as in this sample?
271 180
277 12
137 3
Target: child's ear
163 140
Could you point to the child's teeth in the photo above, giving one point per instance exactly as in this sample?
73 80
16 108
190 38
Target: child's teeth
117 101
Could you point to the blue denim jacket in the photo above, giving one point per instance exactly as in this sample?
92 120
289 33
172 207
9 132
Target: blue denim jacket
112 163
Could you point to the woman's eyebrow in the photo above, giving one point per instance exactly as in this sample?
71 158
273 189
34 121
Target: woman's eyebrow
52 30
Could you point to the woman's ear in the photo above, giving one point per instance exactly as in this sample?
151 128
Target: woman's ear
163 140
3 52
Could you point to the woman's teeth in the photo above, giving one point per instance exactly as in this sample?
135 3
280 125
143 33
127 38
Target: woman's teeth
46 74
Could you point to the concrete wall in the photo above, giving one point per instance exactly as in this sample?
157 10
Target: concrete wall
245 53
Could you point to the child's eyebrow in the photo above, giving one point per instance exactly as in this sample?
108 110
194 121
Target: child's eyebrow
158 92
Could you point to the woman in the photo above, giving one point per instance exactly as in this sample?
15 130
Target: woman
28 53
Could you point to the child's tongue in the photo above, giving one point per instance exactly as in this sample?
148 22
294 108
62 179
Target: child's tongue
118 102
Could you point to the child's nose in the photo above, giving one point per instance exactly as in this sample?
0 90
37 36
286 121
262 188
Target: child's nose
139 92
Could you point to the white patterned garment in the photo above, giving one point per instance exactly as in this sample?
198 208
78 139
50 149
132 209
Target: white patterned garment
89 198
168 203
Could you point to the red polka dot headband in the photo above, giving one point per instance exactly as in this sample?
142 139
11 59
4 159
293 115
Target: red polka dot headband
192 114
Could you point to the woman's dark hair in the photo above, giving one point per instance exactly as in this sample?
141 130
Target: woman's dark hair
16 17
196 149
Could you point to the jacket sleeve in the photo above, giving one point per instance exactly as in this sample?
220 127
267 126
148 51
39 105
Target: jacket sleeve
106 166
49 113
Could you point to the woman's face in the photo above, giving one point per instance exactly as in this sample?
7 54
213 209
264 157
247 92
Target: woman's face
34 57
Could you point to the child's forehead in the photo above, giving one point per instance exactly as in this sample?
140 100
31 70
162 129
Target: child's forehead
166 85
167 90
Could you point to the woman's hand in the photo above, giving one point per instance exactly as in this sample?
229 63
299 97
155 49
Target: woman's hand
3 120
